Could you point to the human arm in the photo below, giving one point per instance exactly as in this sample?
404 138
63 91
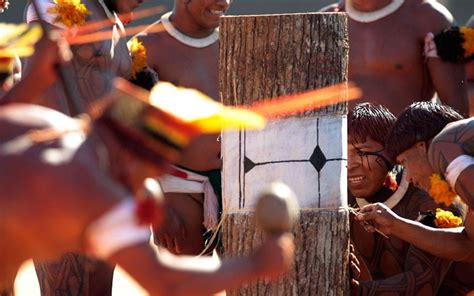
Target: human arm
461 240
41 73
449 79
199 276
455 140
470 75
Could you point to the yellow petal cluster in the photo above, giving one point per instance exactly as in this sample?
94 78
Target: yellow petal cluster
196 108
468 44
440 190
138 54
446 219
69 12
18 40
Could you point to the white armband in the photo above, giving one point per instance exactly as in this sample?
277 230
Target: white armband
456 167
115 230
43 6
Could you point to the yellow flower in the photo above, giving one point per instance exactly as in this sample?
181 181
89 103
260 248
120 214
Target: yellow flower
69 12
18 40
138 54
446 219
468 44
440 190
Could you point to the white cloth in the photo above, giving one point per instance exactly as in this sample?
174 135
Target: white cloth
116 230
430 46
194 183
456 167
43 6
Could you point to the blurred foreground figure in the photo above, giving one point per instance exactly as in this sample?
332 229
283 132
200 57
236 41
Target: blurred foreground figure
71 202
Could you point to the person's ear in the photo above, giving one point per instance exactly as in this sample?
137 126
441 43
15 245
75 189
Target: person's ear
421 147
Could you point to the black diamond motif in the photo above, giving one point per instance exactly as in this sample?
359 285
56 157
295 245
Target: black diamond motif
317 159
248 164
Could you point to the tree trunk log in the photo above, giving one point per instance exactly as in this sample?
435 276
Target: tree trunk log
269 56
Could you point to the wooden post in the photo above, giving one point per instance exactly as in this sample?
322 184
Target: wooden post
269 56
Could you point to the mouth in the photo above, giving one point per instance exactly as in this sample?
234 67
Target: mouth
217 12
356 180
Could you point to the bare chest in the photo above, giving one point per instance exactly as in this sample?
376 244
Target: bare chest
395 49
189 67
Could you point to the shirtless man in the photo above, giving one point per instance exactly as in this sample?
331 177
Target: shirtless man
94 65
185 53
386 59
71 203
441 143
391 262
470 75
93 68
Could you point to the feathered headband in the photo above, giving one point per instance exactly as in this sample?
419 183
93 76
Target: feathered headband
454 44
16 41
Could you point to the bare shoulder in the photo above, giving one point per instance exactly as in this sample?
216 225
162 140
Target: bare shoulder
335 7
432 16
154 34
455 139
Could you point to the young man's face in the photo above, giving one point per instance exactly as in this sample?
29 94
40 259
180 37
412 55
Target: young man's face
206 13
415 160
366 173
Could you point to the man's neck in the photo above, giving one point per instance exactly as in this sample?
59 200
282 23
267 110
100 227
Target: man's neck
369 5
184 23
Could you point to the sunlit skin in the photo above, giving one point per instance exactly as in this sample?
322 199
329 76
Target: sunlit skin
386 57
195 68
366 173
69 178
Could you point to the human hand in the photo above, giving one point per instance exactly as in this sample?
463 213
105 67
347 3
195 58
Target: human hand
275 256
4 5
354 270
171 233
377 218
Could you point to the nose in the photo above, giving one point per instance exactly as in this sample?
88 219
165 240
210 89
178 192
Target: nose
224 4
353 161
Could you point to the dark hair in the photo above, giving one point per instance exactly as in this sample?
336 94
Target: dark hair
370 120
450 45
146 78
419 122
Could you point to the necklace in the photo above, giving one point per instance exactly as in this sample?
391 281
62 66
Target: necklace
395 198
185 39
372 16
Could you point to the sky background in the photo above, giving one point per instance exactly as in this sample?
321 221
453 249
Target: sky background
461 9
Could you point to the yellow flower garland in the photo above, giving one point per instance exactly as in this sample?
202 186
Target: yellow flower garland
440 190
69 12
138 54
468 44
446 219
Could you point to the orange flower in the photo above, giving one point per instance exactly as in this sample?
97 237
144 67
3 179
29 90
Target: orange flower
69 12
446 219
138 54
440 190
468 44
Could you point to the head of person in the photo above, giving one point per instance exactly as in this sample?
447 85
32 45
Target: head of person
123 7
204 14
409 140
368 163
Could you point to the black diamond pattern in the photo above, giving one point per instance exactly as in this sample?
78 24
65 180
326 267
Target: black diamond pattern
248 164
317 159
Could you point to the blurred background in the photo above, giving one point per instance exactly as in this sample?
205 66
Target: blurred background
461 9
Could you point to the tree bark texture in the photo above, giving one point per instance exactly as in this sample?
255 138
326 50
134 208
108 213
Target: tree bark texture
274 55
269 56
